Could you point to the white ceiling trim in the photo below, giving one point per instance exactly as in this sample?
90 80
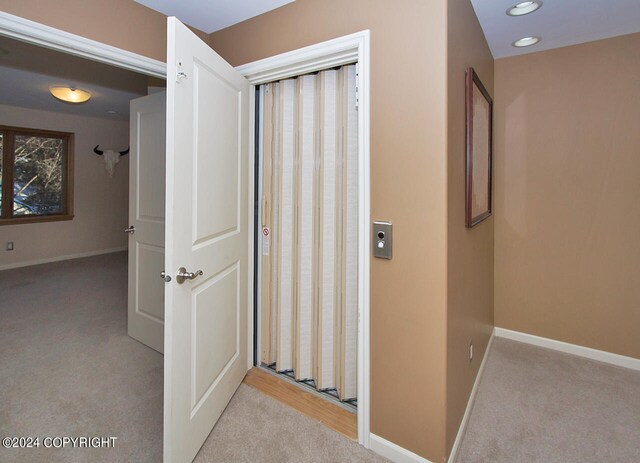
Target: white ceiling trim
55 39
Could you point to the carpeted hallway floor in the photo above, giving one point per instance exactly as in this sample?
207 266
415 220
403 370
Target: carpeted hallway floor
537 405
258 429
68 368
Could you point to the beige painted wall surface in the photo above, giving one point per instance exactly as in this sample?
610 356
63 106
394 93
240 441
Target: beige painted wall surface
120 23
470 251
567 194
101 203
408 178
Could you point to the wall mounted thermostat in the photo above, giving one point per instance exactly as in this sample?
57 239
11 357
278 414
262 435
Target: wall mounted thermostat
382 240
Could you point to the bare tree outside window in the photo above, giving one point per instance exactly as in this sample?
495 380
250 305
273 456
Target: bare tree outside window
35 175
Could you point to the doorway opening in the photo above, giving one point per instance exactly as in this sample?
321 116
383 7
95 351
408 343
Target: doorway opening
307 274
64 170
351 50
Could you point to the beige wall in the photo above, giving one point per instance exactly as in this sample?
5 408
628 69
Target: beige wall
412 382
101 203
408 182
470 251
566 162
121 23
567 191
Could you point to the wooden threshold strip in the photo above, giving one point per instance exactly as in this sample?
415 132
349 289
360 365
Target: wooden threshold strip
316 408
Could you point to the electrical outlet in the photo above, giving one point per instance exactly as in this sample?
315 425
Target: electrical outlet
9 245
471 350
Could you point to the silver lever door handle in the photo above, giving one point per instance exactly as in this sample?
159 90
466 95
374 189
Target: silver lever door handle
131 230
183 275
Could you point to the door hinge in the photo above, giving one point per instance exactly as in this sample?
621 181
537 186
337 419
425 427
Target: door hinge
357 86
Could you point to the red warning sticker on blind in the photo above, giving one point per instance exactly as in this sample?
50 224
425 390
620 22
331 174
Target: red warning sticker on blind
266 240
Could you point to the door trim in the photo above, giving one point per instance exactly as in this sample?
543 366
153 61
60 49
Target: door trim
336 52
343 50
45 36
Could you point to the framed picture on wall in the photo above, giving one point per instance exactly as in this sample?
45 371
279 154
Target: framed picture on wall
479 111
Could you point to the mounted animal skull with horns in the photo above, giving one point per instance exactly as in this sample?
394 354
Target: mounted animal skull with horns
111 158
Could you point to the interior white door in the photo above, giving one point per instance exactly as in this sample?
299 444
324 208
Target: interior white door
146 219
206 230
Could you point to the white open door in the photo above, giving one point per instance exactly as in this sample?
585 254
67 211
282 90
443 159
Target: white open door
146 219
206 310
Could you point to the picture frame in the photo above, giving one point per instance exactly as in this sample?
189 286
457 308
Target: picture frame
479 165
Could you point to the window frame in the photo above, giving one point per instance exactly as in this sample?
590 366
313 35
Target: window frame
8 157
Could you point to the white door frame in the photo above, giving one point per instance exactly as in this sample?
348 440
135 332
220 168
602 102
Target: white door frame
344 50
72 44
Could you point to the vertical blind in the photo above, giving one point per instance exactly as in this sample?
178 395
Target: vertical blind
309 275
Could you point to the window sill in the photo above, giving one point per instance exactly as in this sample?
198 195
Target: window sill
36 219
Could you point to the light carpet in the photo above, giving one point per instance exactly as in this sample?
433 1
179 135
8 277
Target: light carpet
68 368
537 405
258 429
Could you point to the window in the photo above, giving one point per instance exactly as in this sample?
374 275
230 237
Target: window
36 176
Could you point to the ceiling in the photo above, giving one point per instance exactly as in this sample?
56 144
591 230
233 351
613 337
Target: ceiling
213 15
558 22
27 71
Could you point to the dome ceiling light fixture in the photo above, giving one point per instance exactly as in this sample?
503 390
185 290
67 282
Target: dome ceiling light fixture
70 94
522 8
526 42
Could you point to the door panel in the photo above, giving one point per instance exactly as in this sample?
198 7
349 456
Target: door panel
217 176
146 213
151 121
286 271
306 194
327 280
151 300
348 385
207 230
215 330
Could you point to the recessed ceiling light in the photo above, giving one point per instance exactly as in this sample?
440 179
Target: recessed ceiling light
70 94
523 8
526 42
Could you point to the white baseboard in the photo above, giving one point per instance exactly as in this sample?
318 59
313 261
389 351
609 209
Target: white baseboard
47 260
399 454
472 398
587 352
393 452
